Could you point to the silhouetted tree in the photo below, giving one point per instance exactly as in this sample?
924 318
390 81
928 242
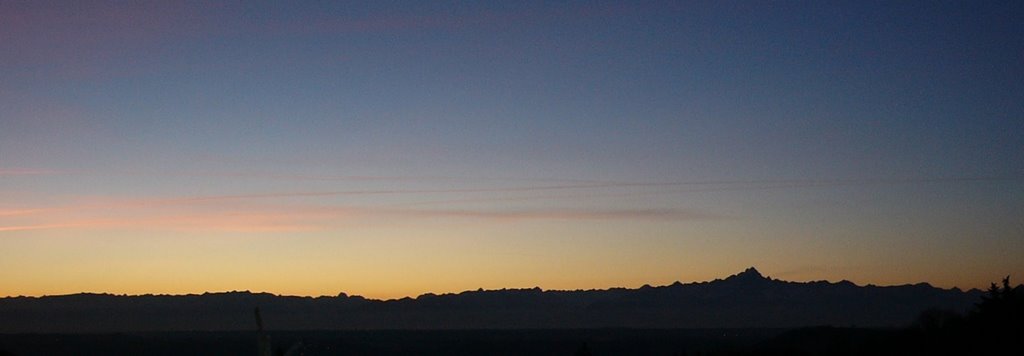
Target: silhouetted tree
998 320
996 323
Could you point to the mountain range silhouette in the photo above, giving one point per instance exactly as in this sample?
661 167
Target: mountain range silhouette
744 300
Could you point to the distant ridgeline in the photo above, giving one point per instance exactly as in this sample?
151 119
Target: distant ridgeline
747 300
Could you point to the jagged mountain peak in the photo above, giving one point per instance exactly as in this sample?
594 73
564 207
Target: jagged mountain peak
749 274
752 272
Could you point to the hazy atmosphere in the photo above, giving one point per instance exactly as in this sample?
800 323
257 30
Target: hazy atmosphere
392 149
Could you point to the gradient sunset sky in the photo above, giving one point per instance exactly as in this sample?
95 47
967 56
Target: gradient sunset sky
390 149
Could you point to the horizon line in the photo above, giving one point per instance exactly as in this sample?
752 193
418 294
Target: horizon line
481 289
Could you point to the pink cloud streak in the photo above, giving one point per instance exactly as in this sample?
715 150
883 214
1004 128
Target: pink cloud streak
18 212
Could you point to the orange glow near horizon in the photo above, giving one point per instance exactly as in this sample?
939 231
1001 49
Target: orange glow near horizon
384 290
406 259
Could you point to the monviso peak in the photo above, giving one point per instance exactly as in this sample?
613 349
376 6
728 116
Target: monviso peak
750 274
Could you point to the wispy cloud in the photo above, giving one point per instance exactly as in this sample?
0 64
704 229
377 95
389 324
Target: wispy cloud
293 176
708 186
295 211
33 227
292 218
18 212
227 222
59 225
559 214
27 171
557 183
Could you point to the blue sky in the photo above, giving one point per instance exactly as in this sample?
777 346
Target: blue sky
815 137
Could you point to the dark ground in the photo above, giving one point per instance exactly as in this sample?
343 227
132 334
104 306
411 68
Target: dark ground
399 342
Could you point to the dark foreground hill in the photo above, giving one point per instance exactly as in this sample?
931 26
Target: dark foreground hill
744 300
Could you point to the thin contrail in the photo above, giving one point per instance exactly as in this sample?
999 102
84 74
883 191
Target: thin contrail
733 185
773 184
280 176
585 183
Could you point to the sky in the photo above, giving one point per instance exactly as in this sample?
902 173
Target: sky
390 149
